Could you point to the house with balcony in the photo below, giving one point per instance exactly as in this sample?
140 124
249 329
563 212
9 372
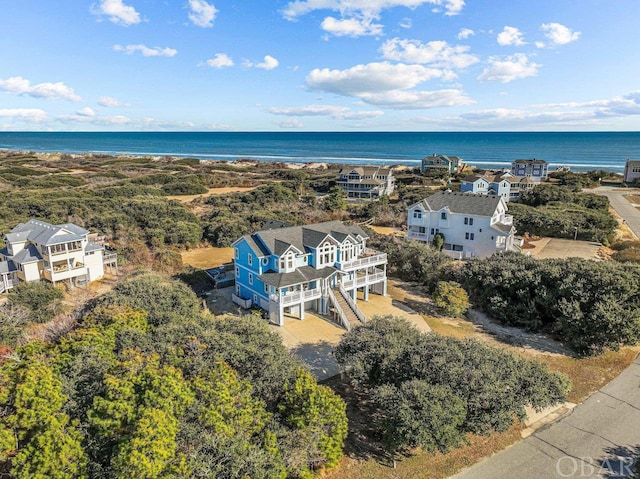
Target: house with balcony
442 163
319 267
535 169
369 182
501 184
473 225
631 170
37 251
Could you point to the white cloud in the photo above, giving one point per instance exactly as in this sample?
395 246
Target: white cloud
220 60
146 51
626 105
86 111
336 112
202 13
111 102
387 85
510 36
357 16
50 91
269 63
406 23
558 34
289 123
415 100
372 77
351 27
436 53
117 12
465 33
35 115
509 69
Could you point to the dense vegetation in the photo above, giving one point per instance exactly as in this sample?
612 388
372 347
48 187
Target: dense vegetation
150 387
431 390
587 304
560 212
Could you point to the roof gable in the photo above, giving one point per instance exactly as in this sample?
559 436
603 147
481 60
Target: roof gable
464 203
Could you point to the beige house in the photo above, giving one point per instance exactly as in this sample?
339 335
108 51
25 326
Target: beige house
366 181
38 251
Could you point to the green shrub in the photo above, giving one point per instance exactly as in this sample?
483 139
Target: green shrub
42 299
451 298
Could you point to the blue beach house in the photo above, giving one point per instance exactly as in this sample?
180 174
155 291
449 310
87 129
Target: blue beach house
286 270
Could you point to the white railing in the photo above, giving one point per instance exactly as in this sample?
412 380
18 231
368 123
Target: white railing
296 296
352 304
507 220
372 258
243 303
363 280
110 257
413 234
339 311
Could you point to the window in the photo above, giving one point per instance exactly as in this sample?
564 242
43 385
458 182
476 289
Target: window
250 278
470 221
286 262
266 288
236 253
469 236
237 272
443 216
327 254
250 259
422 229
466 221
265 261
417 214
432 231
255 299
466 236
472 236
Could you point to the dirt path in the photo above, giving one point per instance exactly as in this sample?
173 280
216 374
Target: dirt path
211 192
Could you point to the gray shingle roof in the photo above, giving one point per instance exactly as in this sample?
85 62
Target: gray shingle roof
529 162
303 274
465 203
40 232
93 247
277 241
28 255
7 267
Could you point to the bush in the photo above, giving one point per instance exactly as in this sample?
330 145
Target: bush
40 297
486 388
590 305
451 298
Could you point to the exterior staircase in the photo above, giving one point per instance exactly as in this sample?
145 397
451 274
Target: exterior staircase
346 309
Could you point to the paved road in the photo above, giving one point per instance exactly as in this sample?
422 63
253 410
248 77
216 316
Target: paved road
622 206
596 440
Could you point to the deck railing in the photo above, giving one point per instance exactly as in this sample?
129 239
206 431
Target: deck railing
296 296
369 258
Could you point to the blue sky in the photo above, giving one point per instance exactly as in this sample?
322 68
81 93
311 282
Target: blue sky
319 65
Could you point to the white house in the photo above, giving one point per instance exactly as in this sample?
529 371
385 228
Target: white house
631 170
501 184
366 181
38 251
473 225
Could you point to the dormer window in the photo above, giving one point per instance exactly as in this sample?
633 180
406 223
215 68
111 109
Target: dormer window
443 215
417 214
287 262
326 254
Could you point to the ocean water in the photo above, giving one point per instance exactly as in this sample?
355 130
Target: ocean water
581 151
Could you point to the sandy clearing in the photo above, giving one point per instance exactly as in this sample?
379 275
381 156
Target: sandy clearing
211 192
207 257
385 230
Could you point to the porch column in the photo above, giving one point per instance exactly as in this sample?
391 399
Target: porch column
5 282
366 292
301 310
280 315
